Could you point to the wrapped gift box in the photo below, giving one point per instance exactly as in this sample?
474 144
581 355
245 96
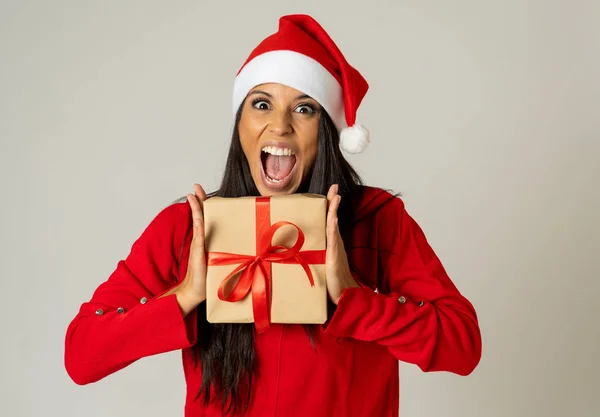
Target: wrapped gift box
266 259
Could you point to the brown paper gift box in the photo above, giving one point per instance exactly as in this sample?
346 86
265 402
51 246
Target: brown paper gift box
231 227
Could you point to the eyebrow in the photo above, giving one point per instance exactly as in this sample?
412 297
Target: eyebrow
300 97
255 92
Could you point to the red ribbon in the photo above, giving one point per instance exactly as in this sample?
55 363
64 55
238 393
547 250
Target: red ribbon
256 275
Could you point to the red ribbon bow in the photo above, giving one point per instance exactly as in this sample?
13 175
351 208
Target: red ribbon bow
256 275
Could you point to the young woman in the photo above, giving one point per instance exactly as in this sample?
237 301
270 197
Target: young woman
295 101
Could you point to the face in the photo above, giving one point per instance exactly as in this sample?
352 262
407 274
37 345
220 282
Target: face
279 135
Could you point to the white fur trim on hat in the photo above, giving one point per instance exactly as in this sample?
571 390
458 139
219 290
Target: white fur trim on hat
297 71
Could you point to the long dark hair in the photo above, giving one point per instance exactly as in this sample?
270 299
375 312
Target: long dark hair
226 352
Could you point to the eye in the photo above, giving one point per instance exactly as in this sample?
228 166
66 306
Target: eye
305 108
260 104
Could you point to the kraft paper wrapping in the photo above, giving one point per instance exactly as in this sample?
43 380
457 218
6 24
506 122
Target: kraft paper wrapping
230 226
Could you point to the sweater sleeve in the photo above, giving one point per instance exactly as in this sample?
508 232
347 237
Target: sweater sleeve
420 316
126 319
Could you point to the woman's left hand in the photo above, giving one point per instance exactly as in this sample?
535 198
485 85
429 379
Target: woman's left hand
337 269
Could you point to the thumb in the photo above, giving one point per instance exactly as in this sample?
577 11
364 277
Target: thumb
332 224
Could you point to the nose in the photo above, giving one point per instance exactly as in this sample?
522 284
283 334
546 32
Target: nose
280 123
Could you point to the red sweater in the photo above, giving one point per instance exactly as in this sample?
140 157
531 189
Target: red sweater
408 310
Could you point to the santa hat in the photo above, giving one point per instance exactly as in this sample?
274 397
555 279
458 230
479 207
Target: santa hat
301 55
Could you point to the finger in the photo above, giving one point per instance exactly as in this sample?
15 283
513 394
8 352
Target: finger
333 190
332 218
197 249
196 209
333 207
200 197
330 213
332 242
198 223
200 193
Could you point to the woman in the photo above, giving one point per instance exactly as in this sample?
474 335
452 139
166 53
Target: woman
295 101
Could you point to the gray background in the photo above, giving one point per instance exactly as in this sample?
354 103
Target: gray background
484 114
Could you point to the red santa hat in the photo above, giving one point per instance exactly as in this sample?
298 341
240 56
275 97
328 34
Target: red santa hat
302 56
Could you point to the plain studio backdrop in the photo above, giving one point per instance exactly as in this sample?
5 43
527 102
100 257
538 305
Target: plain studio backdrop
484 114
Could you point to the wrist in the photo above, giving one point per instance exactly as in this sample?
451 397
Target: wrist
348 283
188 300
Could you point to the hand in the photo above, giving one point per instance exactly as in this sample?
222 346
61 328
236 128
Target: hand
337 269
192 290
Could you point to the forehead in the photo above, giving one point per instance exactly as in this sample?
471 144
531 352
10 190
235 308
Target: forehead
278 90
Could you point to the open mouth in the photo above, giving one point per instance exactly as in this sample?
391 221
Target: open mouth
278 165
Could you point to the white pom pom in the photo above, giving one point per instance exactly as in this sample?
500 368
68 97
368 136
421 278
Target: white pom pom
354 139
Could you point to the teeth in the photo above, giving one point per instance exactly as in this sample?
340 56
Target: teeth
272 179
278 151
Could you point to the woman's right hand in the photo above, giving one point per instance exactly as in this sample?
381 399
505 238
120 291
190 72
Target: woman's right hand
192 290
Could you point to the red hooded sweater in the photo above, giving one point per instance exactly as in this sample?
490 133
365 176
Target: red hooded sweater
407 310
